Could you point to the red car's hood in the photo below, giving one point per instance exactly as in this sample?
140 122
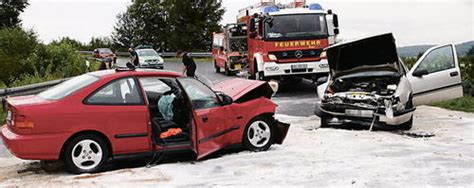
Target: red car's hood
26 100
237 88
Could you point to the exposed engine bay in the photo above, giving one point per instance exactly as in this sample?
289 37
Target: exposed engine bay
367 90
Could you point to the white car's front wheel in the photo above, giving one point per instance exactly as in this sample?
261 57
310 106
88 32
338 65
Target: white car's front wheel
258 135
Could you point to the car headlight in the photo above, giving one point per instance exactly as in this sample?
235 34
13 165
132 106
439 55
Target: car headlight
323 55
272 57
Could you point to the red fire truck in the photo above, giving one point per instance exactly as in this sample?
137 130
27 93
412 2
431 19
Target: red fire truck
278 41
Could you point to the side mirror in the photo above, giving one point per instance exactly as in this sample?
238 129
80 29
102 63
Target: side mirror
420 72
335 20
225 99
321 80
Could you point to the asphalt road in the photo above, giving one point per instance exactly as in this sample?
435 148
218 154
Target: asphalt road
293 98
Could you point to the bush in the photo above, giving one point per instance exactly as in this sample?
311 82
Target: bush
16 45
51 62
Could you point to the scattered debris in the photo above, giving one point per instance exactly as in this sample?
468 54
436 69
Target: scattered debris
416 134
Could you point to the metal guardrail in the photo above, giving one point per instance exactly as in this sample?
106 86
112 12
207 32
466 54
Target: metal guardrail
163 54
26 90
29 89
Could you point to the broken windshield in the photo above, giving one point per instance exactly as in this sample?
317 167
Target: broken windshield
298 26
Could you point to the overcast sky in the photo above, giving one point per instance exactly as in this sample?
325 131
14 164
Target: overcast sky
411 21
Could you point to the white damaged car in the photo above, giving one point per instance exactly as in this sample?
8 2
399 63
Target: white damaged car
368 84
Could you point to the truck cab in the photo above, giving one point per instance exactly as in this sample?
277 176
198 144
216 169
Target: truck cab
288 40
229 48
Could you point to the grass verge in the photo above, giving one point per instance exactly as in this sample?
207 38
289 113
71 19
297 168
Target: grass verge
3 115
465 104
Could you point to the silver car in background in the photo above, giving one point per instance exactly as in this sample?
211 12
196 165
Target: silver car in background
149 58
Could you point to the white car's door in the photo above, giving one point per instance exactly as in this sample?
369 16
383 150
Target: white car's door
436 76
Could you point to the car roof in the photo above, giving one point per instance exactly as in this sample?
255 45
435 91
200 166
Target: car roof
136 72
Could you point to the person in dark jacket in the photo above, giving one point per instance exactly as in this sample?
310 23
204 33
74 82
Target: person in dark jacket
189 65
134 57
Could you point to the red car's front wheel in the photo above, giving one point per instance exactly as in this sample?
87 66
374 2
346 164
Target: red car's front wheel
85 154
258 135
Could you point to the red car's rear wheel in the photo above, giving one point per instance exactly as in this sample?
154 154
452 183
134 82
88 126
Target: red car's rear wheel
85 154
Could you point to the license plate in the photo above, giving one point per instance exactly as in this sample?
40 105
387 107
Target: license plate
299 66
238 66
360 113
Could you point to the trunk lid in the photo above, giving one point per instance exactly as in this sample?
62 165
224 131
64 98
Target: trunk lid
26 100
372 53
242 90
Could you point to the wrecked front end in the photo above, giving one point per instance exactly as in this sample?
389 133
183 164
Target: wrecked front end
376 98
236 61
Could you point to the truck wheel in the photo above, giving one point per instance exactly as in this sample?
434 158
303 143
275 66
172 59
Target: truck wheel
85 154
218 69
324 122
258 135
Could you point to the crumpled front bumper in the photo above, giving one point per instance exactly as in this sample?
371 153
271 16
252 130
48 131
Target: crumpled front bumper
381 118
281 131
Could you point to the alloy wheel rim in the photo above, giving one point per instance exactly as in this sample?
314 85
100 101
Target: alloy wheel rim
86 154
258 133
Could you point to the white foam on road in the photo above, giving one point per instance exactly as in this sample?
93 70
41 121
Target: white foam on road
309 157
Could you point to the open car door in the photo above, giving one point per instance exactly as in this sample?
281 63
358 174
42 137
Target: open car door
211 124
436 76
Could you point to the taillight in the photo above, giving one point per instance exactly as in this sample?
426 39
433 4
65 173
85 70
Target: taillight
21 122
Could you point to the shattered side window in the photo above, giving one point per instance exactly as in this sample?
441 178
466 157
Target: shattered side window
200 95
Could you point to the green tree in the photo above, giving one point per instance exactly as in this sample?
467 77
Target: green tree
191 23
100 42
74 43
16 45
124 30
10 11
170 25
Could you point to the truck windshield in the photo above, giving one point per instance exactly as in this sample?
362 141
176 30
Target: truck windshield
296 26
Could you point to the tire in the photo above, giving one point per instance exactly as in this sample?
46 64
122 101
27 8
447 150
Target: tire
408 125
324 122
227 71
259 76
258 135
218 69
86 153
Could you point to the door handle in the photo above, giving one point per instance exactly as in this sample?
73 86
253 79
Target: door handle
453 74
240 117
205 119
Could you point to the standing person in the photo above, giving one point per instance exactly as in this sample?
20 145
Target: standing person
189 65
134 57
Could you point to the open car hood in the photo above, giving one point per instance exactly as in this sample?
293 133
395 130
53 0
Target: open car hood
242 90
376 52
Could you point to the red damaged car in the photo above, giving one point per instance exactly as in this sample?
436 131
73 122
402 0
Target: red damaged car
116 114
